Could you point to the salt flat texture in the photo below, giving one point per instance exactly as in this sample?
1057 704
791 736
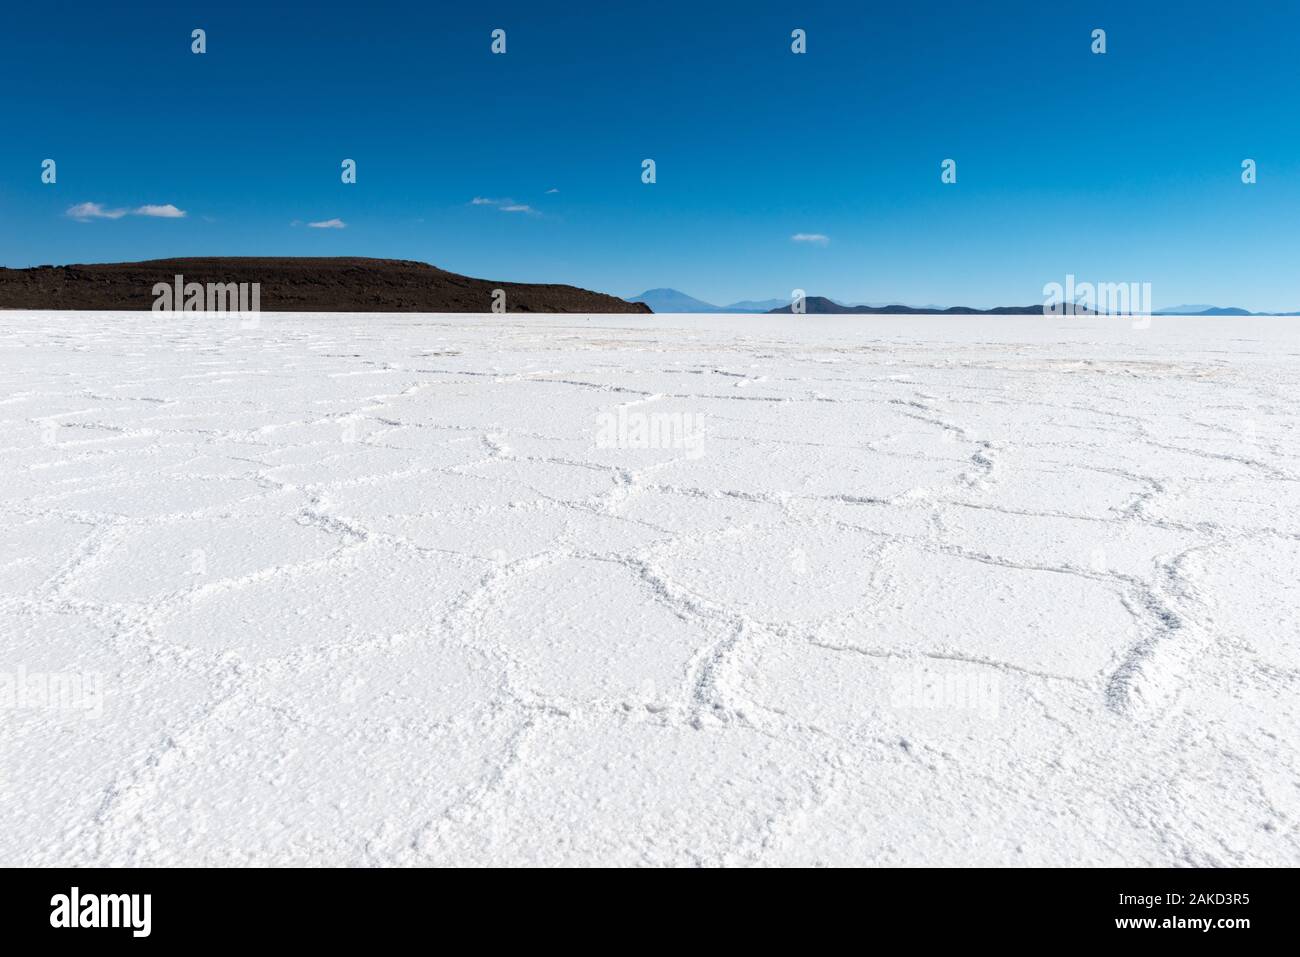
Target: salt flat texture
376 590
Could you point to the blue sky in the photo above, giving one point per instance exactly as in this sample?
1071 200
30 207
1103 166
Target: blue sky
1123 167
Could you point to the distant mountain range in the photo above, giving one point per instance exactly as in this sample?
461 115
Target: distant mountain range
820 305
355 284
1199 310
672 300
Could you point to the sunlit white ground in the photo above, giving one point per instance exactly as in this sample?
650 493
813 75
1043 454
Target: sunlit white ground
379 590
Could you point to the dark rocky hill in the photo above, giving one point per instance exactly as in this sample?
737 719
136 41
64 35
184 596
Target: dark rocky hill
295 284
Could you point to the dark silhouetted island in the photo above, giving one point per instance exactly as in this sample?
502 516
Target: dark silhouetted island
294 284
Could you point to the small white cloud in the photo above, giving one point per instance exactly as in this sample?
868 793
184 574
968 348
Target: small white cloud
505 205
166 211
329 224
552 190
817 239
85 212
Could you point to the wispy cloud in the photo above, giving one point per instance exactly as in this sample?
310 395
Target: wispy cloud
552 190
165 211
817 239
85 212
505 205
329 224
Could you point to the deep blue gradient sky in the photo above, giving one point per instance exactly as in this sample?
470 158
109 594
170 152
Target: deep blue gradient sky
1117 168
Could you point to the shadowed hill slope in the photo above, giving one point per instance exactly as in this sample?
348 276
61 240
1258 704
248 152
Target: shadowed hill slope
295 284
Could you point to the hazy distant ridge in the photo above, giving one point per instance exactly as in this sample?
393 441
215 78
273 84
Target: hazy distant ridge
673 300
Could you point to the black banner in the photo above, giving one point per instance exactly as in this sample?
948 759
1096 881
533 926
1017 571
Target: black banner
138 908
